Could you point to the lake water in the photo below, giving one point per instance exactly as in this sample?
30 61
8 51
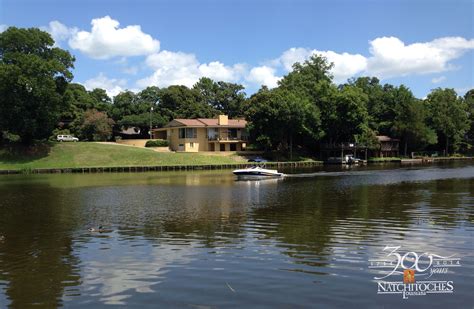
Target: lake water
205 240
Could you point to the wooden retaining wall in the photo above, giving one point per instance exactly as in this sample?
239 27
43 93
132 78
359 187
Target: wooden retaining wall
158 168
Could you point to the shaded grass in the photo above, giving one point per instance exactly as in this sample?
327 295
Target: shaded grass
385 159
84 154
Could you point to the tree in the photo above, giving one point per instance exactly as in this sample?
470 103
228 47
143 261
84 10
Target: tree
449 116
278 116
409 123
102 101
226 98
350 117
124 104
96 126
313 81
377 109
469 101
33 79
182 102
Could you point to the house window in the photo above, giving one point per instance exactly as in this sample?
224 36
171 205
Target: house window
212 134
191 145
191 133
188 133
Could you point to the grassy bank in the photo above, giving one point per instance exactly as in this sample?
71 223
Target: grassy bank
385 159
70 155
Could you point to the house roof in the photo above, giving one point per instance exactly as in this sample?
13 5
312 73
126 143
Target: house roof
205 122
385 138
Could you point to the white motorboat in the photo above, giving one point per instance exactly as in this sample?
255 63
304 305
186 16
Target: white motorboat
257 171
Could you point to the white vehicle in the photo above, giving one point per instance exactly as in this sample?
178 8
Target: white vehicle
66 138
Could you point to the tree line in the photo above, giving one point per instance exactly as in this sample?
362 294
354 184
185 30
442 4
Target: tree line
38 100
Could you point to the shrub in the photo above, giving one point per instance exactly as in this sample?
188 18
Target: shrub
157 143
96 126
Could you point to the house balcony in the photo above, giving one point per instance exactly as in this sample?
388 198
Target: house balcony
224 138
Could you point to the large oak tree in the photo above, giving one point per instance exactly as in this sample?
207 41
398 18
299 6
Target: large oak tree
34 75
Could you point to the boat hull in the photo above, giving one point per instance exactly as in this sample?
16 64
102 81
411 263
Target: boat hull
257 172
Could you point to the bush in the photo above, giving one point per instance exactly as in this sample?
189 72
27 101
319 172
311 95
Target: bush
157 143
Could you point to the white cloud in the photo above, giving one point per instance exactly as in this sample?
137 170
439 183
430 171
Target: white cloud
293 55
437 80
3 28
345 65
463 90
391 57
111 85
387 57
59 31
263 75
178 68
107 40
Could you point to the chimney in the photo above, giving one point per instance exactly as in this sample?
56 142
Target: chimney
223 120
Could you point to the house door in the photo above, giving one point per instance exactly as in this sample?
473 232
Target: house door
212 147
233 147
222 147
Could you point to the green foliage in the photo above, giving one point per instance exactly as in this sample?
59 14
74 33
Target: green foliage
33 79
367 138
38 100
350 117
96 126
378 108
9 137
157 143
182 102
410 120
448 116
469 101
278 116
226 98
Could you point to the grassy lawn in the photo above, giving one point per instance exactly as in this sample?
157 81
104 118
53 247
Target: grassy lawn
385 159
65 155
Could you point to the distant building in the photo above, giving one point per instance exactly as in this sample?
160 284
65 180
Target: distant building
204 134
130 133
388 147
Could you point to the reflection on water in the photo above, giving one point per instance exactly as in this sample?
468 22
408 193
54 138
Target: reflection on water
205 239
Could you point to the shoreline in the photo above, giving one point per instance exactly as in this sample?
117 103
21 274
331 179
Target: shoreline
164 168
155 168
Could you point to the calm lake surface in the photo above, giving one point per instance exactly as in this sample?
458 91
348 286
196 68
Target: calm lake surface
205 240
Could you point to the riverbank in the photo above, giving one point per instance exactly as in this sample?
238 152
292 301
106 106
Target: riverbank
158 168
97 157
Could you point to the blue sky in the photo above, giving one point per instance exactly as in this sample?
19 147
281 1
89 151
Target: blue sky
422 44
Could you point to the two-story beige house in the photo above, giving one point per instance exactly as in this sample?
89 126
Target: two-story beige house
204 134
